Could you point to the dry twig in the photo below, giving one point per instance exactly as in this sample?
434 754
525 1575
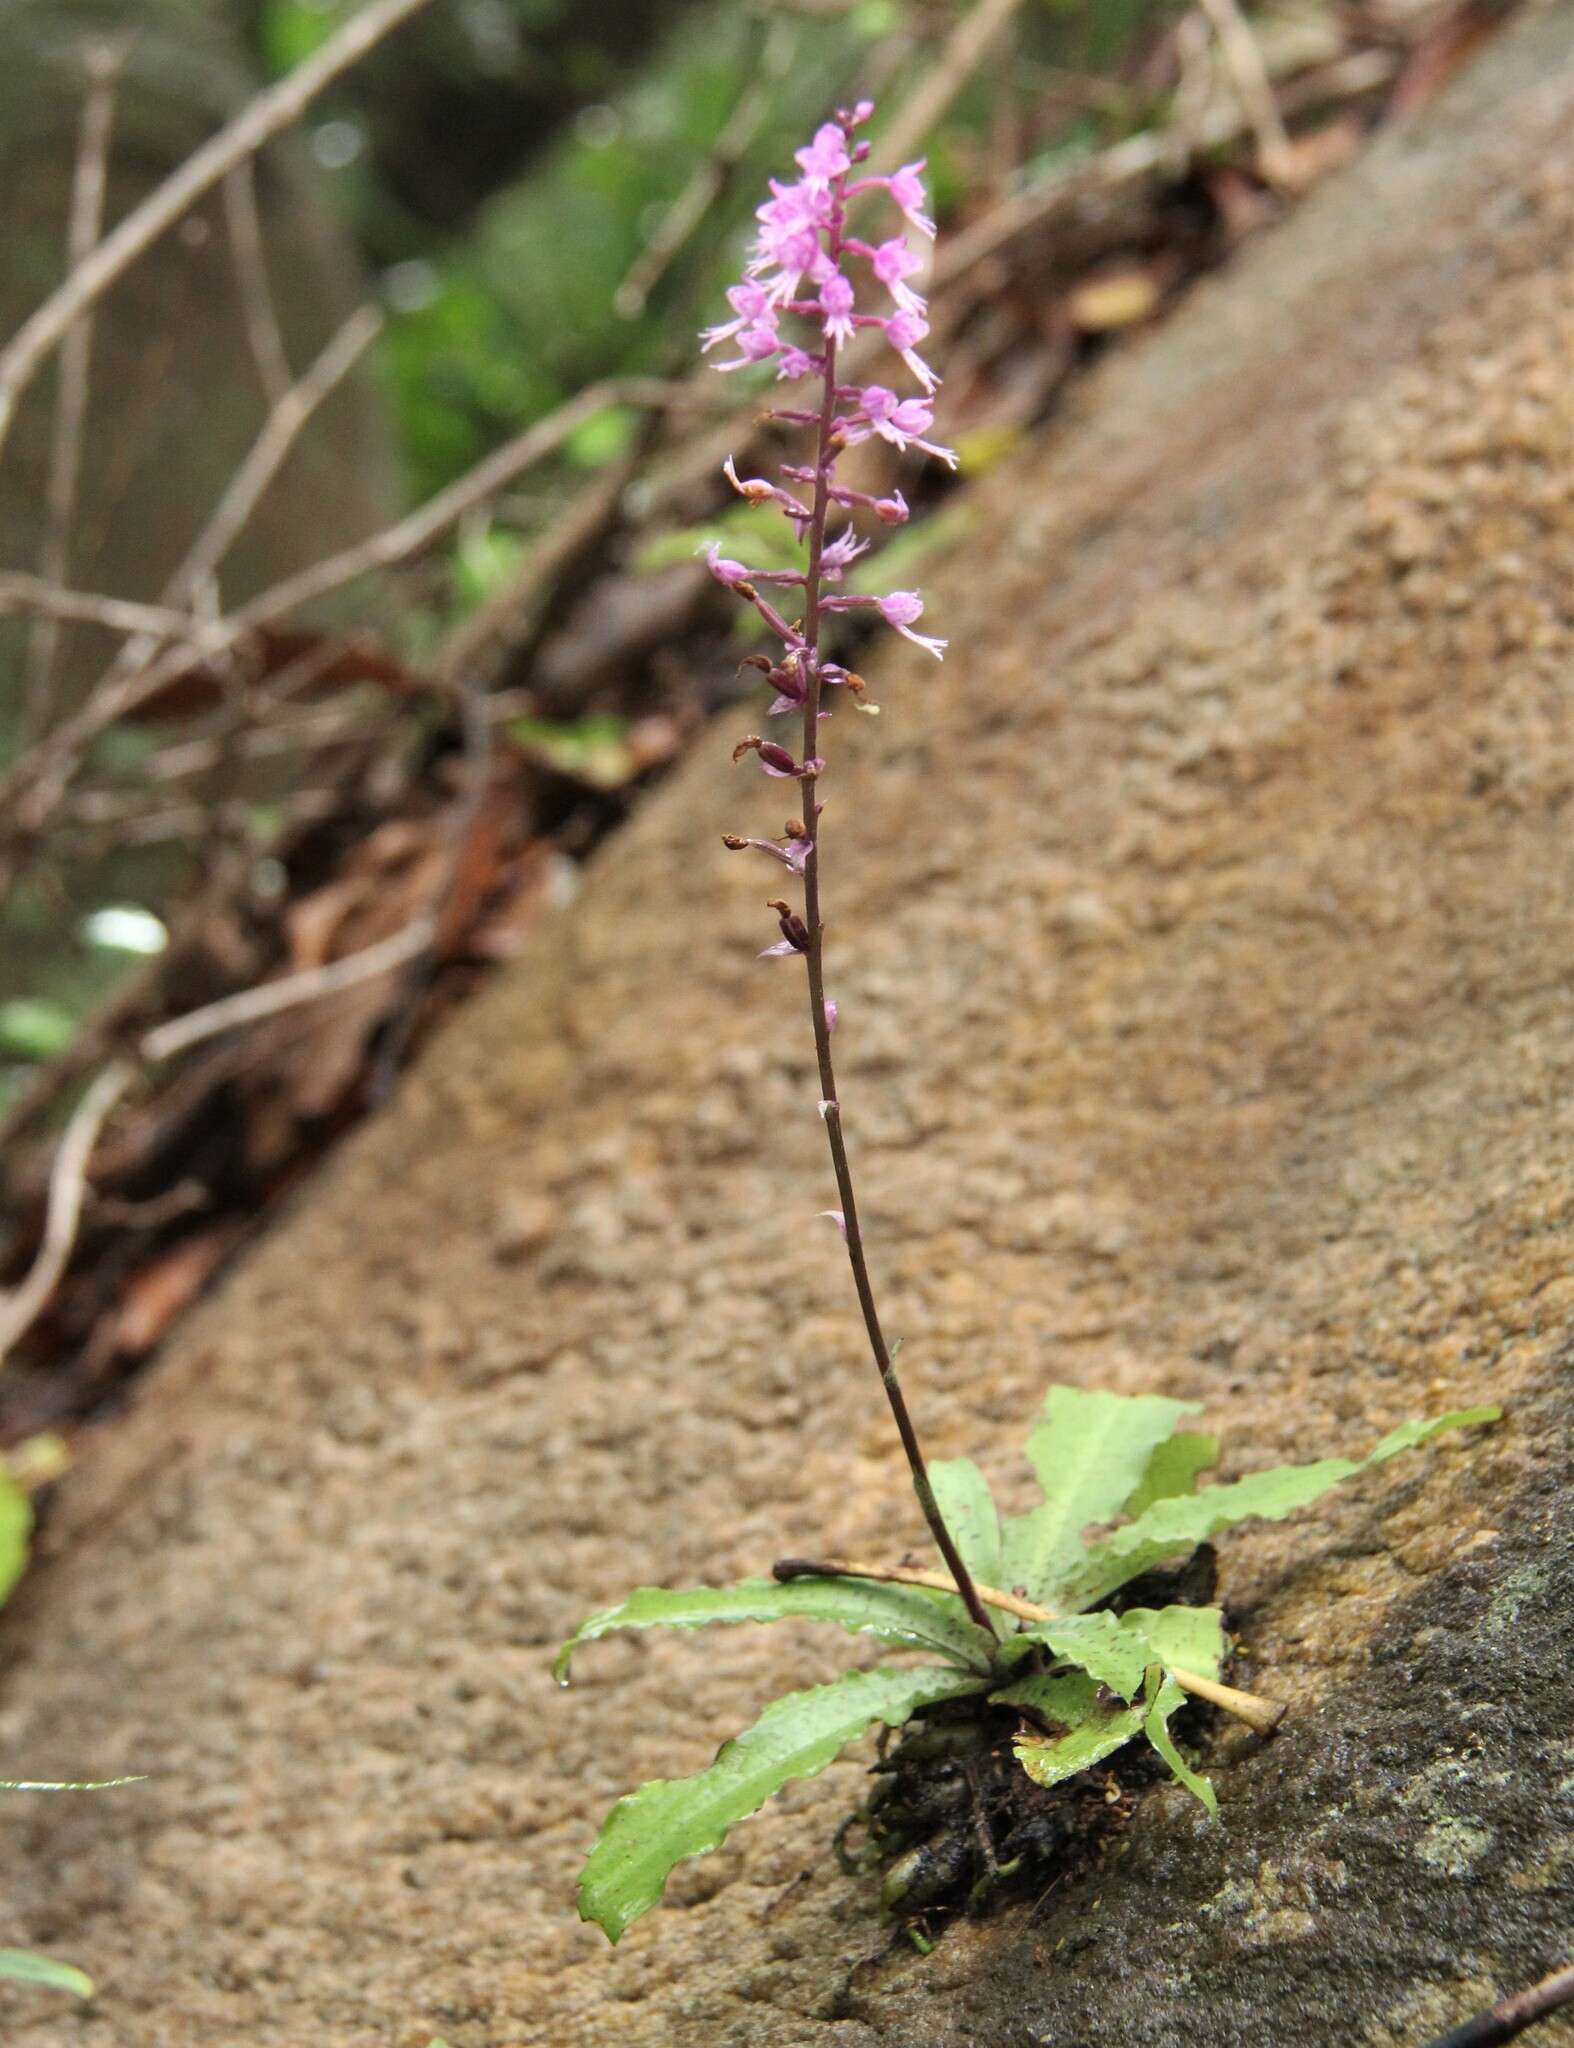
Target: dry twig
103 63
258 313
1508 2019
1243 60
256 124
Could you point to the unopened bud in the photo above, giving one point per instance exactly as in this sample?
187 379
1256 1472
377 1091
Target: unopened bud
795 829
733 843
775 756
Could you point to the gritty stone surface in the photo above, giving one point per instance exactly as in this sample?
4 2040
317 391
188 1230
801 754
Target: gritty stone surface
1263 662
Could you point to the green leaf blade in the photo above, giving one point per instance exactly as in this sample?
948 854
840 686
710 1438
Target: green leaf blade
23 1967
669 1820
1174 1468
911 1616
967 1508
1156 1726
1181 1638
1091 1452
16 1526
1181 1522
1099 1729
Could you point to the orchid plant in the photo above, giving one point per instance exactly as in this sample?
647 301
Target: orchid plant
1027 1612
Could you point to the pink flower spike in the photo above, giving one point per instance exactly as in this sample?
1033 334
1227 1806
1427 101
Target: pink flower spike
907 189
899 609
825 158
837 1218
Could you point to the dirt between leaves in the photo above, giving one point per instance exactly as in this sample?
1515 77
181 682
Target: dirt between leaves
1201 932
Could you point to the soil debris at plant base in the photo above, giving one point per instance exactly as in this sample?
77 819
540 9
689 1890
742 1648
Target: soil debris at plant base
1198 956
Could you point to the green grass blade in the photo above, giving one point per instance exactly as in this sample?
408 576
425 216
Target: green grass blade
1182 1522
967 1508
1091 1452
1156 1726
670 1819
16 1526
913 1616
68 1784
25 1968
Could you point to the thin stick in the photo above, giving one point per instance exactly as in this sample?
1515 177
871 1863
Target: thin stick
251 278
282 428
688 209
814 960
21 592
267 115
311 985
1511 2016
1252 1708
104 61
965 49
1243 59
36 781
21 1307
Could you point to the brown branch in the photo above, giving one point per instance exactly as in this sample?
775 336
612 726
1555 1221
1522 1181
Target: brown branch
21 1307
266 116
103 65
258 314
1255 1711
1243 59
20 592
1509 2018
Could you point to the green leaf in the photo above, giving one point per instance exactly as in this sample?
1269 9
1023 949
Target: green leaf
1174 1468
1091 1452
1180 1523
1156 1726
35 1028
910 1615
1110 1654
16 1525
670 1819
1181 1638
25 1968
1101 1729
967 1508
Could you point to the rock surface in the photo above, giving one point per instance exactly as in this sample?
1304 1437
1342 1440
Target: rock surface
1201 932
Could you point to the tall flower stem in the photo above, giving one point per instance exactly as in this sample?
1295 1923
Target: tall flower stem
814 958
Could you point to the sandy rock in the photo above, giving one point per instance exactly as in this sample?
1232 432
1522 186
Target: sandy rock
1268 657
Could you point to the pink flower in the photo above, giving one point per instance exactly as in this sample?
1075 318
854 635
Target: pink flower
892 262
900 421
757 343
836 303
905 328
796 362
723 569
846 548
826 157
900 609
907 189
750 304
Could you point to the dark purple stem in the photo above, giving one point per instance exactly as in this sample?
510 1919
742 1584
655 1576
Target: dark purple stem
814 960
